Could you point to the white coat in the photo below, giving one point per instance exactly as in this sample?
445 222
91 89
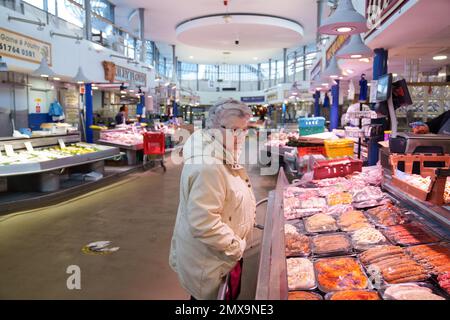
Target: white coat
215 215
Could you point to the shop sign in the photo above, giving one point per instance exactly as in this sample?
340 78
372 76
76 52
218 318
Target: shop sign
316 70
255 99
378 11
116 73
272 96
138 79
22 47
336 45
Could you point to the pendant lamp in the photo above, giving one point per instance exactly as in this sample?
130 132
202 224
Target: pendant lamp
80 78
44 70
345 20
332 71
355 49
3 65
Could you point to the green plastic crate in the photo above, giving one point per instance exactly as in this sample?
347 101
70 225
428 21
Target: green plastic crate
311 130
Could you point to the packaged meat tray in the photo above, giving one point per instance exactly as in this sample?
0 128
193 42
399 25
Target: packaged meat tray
300 274
325 191
392 264
365 238
387 215
320 222
434 257
339 209
297 245
352 220
304 295
368 193
410 291
339 198
353 295
331 244
444 281
410 234
337 274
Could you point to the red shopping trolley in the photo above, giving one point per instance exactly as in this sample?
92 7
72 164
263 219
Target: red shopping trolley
154 148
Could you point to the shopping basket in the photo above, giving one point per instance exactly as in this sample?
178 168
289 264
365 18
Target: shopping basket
339 148
154 146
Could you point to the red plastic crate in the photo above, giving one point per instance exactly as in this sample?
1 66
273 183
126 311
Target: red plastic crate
154 143
325 169
304 151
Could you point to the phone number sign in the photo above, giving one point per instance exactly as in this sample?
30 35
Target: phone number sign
22 47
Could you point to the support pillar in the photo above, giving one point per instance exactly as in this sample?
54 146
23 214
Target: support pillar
270 73
88 19
334 112
285 62
380 68
316 104
142 35
89 113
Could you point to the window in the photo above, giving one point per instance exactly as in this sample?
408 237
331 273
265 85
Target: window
72 11
36 3
103 8
149 55
188 71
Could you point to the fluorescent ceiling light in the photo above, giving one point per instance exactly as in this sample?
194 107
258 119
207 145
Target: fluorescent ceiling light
366 60
56 78
439 58
350 71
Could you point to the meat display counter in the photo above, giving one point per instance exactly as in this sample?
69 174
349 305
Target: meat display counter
35 164
427 254
129 140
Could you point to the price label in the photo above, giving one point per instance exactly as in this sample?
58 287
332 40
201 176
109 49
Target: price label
9 150
62 145
29 146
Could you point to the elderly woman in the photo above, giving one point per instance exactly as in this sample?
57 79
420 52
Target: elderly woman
217 206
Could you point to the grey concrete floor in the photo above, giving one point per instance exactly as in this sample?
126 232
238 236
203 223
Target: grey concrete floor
137 214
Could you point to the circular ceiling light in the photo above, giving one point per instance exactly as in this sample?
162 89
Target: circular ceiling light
440 58
344 29
210 32
345 20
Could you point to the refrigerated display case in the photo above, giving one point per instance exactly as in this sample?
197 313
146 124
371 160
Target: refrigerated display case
434 221
35 164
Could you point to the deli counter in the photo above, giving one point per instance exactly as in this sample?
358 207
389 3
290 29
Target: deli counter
353 239
36 163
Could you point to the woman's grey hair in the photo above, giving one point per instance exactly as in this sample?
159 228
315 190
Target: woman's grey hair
219 114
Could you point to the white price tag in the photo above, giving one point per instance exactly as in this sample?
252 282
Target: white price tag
29 146
9 150
62 145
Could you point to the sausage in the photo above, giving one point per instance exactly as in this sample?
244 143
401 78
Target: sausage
418 277
370 256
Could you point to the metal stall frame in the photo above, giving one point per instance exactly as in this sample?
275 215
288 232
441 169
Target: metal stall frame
272 272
